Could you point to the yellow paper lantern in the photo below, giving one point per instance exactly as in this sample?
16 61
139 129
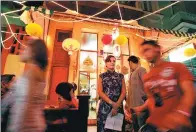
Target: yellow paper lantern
121 40
34 29
71 45
189 52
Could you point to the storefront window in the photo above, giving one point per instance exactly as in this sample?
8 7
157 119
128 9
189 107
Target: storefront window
89 41
88 61
88 70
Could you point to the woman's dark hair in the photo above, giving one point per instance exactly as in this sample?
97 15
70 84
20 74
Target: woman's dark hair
40 52
63 89
74 86
108 58
133 59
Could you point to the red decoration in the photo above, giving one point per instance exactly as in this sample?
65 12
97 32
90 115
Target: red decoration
106 39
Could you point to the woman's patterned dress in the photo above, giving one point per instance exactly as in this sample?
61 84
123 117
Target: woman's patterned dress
112 85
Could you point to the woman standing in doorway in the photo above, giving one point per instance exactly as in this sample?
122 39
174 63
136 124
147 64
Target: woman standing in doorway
26 114
112 92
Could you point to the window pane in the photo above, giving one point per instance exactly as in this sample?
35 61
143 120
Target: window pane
63 35
84 83
89 41
88 61
108 49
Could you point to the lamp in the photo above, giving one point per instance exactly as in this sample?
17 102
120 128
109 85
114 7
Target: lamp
71 45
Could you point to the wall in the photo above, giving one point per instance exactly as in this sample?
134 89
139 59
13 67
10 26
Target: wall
13 65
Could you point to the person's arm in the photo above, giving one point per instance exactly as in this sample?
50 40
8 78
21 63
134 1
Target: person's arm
187 100
141 73
75 102
141 108
123 93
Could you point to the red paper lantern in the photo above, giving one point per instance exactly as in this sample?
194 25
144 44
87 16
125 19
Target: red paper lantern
106 39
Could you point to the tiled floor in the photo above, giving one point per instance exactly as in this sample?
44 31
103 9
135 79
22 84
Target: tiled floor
92 128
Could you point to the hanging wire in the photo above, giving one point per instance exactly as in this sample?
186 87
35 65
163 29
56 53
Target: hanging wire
12 31
3 44
77 6
119 12
7 38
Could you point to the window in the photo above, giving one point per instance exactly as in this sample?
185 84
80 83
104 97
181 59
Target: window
88 61
147 6
62 36
88 70
89 41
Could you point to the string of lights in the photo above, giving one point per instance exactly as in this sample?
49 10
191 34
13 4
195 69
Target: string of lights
77 6
89 17
4 45
12 31
85 19
60 5
103 11
119 12
7 38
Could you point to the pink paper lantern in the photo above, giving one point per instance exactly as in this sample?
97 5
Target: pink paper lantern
106 39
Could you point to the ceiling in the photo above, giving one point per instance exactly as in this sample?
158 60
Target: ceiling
92 7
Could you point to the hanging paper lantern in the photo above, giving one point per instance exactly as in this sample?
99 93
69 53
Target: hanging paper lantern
116 50
121 40
115 33
26 17
189 52
71 45
34 29
106 39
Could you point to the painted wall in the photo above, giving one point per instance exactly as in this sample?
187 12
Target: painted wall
13 65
